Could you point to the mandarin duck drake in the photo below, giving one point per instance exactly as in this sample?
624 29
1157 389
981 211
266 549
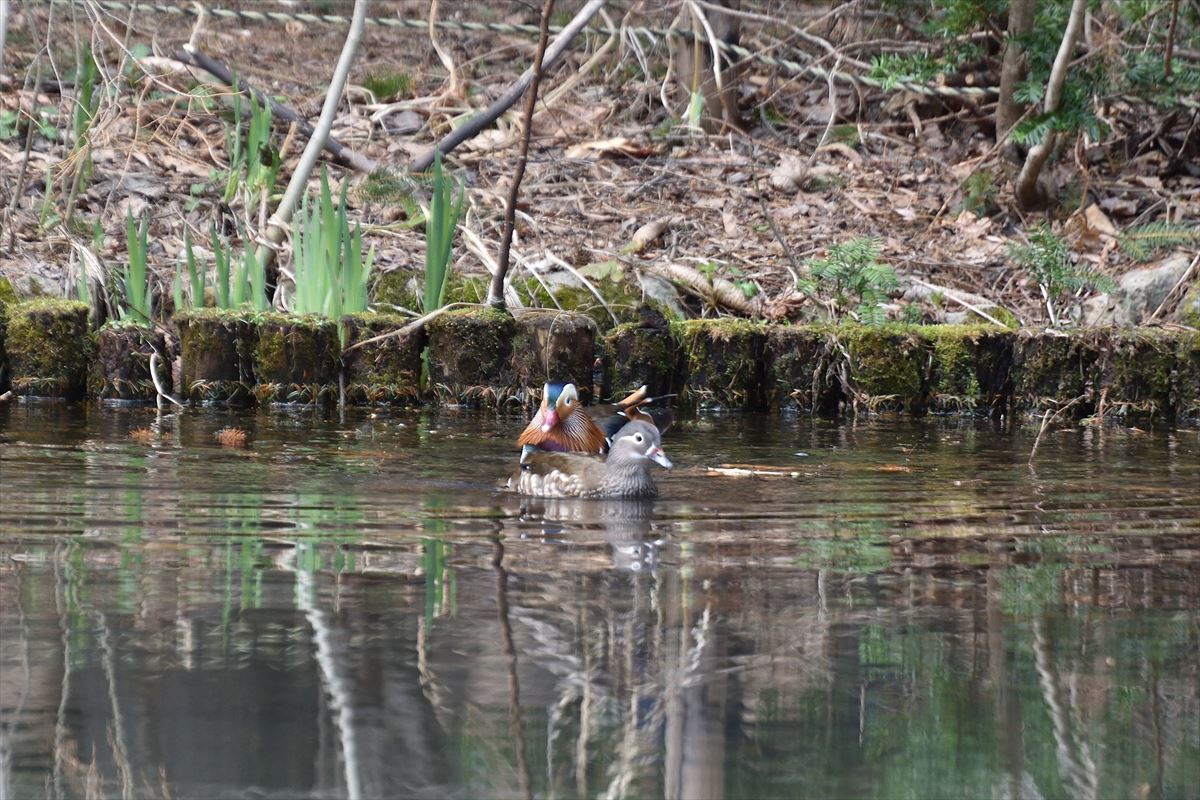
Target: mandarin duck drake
563 425
623 473
560 425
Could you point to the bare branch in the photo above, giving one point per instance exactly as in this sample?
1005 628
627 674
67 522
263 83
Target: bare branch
495 296
1027 192
506 100
277 226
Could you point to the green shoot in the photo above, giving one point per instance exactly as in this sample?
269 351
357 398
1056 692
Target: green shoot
330 271
388 85
195 279
262 160
1142 242
139 295
444 211
221 257
1048 259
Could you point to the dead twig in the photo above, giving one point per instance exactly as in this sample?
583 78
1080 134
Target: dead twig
1047 418
19 189
717 291
959 298
495 297
417 323
506 100
1174 294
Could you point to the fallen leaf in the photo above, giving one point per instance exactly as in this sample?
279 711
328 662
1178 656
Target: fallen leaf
1098 221
614 147
644 236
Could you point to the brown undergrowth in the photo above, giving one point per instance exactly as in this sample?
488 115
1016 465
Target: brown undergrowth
739 210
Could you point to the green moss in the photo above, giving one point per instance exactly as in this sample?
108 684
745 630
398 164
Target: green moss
554 345
1138 372
397 288
49 347
217 348
620 295
471 356
886 365
798 367
295 358
122 367
1189 307
723 362
639 354
1051 369
8 295
388 371
1187 376
466 289
969 367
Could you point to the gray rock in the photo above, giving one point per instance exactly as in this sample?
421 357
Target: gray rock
1188 310
663 292
1138 294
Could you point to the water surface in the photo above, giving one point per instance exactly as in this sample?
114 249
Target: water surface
351 608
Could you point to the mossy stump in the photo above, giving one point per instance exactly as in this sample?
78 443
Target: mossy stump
1187 376
969 368
387 371
1143 373
722 363
887 366
555 346
122 368
217 361
49 348
471 356
1050 370
296 359
800 368
637 354
7 297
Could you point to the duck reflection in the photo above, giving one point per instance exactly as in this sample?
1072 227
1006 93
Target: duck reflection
624 526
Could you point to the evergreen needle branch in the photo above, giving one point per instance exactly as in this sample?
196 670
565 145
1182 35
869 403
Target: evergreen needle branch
495 297
278 224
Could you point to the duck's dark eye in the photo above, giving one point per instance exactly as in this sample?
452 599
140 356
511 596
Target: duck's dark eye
567 401
637 437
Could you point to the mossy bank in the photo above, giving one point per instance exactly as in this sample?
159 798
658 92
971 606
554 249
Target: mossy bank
487 357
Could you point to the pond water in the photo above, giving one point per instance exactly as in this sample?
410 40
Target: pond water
348 607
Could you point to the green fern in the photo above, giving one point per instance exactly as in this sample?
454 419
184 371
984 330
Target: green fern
1142 242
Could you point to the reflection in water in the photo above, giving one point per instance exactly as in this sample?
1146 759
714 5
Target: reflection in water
353 610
